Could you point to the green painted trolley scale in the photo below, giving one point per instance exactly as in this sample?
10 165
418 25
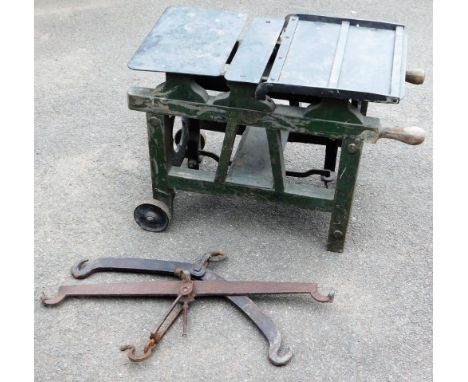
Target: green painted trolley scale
327 68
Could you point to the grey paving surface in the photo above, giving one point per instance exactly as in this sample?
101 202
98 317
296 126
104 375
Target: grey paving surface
91 170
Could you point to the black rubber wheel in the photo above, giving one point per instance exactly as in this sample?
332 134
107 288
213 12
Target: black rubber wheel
152 217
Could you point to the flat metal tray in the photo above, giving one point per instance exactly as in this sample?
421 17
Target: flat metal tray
255 50
339 58
189 40
317 55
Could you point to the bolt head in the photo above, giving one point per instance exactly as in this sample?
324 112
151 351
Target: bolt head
338 234
352 148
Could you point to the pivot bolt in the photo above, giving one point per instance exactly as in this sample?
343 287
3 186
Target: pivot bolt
352 148
338 234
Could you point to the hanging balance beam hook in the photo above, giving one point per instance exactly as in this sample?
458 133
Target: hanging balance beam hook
158 333
139 358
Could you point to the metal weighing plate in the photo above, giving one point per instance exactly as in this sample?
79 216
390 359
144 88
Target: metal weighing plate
255 50
340 58
189 40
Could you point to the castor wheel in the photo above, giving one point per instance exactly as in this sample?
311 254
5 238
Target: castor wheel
153 216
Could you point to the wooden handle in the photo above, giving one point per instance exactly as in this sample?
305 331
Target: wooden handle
410 135
415 76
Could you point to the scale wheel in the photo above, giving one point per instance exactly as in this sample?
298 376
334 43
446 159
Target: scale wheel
153 216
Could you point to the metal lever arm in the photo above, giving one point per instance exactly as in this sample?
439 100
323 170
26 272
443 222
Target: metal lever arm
410 135
200 288
142 289
85 268
277 355
236 288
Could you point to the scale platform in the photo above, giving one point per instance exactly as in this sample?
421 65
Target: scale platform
302 54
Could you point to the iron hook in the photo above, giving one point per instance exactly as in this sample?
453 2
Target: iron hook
79 271
139 358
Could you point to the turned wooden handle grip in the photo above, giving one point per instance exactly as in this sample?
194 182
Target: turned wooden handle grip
415 76
410 135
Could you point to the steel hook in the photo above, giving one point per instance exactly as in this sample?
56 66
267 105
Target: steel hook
199 267
216 256
139 358
79 271
317 296
274 354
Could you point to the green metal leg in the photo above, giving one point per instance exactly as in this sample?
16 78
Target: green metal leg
160 152
226 152
346 181
276 158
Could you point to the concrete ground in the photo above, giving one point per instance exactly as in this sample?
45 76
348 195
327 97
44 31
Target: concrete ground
92 169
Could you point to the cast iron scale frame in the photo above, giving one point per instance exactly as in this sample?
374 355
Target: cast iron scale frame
335 66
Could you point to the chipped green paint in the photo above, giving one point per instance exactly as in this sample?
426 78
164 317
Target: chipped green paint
344 193
282 118
242 96
182 88
226 152
332 119
276 157
202 182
